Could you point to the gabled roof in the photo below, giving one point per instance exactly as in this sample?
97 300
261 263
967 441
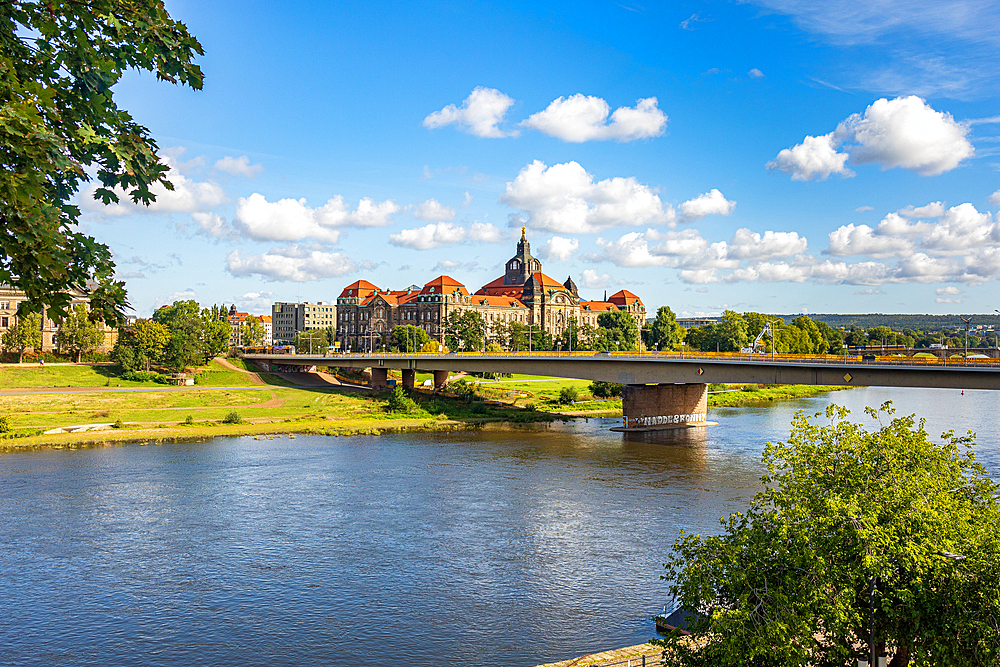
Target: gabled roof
547 282
361 288
624 297
443 285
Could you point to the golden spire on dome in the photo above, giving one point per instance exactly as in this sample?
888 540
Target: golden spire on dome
522 234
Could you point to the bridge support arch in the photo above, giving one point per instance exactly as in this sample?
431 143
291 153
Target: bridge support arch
409 378
440 379
380 378
663 406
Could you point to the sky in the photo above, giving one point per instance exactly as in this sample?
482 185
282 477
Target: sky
781 156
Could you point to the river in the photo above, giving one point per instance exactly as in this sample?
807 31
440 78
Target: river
476 548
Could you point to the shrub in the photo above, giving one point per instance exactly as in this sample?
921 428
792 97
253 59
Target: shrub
530 407
400 402
189 420
568 395
6 424
145 376
716 386
750 388
233 418
605 389
118 424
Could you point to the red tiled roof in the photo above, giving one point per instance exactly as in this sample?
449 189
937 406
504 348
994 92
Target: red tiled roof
360 288
443 285
623 297
598 306
546 282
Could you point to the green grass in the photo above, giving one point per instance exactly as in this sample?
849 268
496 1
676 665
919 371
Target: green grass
767 394
14 377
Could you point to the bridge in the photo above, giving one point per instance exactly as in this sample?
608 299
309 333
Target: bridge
667 389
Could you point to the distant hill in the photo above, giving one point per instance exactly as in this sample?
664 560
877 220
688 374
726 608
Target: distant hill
899 322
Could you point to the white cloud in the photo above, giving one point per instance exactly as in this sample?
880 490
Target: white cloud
294 220
862 209
257 302
933 210
239 166
480 114
995 198
468 199
632 249
565 199
291 264
814 158
746 244
755 74
850 240
686 242
952 290
592 280
428 236
433 211
581 118
214 225
940 300
905 132
187 196
869 292
710 203
484 232
559 248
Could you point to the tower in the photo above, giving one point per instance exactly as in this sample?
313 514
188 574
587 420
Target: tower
522 265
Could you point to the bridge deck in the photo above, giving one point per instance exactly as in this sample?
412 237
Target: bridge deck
663 368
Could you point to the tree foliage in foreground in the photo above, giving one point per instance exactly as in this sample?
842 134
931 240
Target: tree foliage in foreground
59 61
852 525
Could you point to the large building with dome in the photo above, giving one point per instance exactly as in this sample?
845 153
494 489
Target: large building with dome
367 313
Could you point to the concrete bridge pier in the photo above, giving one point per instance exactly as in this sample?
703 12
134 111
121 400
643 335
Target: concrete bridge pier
409 378
663 406
440 379
380 379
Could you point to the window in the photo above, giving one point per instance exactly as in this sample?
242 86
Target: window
4 305
4 322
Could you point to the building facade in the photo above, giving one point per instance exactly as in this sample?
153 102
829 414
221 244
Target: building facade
288 319
11 297
237 320
366 314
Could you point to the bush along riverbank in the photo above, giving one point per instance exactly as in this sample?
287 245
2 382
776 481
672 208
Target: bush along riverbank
734 396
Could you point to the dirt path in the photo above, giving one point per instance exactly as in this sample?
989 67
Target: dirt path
222 361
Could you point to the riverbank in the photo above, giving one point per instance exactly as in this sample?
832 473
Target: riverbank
738 396
630 655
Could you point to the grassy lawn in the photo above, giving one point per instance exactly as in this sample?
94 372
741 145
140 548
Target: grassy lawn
279 409
766 394
59 375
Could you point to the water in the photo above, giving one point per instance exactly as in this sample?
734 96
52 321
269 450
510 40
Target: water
489 548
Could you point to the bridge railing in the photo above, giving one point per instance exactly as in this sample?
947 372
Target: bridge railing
839 359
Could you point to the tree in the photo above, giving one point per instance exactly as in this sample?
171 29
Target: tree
216 334
817 344
251 332
617 326
59 123
464 331
26 332
856 532
140 345
312 341
731 332
78 334
881 335
408 338
664 332
184 321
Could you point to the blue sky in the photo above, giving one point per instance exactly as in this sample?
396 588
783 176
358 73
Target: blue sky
778 155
